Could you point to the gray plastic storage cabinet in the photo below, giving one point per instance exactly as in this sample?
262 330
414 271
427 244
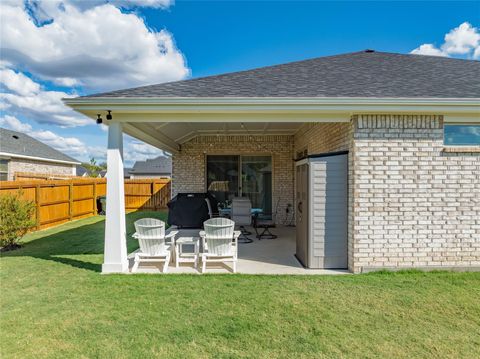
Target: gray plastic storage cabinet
322 210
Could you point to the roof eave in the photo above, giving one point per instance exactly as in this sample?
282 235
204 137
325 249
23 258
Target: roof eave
42 159
193 106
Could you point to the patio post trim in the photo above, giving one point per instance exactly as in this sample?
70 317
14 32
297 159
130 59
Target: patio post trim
115 253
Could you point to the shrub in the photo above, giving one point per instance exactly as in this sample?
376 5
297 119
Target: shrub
16 217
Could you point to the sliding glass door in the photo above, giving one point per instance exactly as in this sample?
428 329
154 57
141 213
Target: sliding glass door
256 181
222 177
250 176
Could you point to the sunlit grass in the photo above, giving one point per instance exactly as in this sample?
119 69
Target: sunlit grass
55 303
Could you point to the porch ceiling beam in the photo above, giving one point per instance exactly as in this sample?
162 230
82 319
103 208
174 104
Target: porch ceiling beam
151 137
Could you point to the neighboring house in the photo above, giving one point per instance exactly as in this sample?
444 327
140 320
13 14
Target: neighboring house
376 152
22 153
84 172
159 167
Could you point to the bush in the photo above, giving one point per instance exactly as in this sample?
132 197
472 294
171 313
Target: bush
16 217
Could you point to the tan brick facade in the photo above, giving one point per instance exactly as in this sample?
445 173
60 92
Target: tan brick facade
33 166
415 205
189 166
322 137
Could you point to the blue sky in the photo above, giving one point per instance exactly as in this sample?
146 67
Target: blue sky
229 36
57 48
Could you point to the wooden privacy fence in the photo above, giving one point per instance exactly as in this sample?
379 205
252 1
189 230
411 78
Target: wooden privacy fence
64 200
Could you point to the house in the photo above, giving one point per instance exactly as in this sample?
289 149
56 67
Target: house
366 147
22 153
159 167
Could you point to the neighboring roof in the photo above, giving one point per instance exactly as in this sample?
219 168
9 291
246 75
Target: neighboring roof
17 144
157 166
360 74
80 170
126 172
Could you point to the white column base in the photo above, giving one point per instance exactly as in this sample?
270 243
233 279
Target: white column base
115 268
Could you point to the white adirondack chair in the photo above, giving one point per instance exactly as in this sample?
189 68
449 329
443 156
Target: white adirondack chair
154 245
220 242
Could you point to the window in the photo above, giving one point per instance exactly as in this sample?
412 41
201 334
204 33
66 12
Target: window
3 170
461 135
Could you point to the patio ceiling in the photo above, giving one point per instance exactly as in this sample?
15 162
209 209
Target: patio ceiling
173 134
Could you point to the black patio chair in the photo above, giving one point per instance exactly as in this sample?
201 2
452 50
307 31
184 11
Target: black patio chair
262 225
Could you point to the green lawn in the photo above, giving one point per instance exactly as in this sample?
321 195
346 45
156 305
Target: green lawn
55 303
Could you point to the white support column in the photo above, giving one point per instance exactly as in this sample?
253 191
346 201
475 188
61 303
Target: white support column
115 254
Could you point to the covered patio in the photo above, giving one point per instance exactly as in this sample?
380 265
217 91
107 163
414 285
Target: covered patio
194 130
194 133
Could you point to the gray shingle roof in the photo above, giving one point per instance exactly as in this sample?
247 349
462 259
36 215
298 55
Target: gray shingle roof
160 165
358 74
17 143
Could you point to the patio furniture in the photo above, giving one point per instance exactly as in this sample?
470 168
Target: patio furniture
155 246
263 223
187 257
219 242
189 210
211 212
242 216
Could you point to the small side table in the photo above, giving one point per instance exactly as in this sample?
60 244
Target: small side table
187 257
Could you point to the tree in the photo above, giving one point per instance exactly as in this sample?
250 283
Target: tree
93 170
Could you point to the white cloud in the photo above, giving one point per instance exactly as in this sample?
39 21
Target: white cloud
14 124
462 40
95 46
92 45
135 150
18 82
428 49
24 97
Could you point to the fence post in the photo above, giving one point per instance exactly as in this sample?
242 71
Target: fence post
37 205
95 209
70 201
152 198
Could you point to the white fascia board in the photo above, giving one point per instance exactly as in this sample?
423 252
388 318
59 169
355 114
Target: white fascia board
462 119
13 155
265 109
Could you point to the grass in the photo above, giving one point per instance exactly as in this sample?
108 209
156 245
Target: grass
55 303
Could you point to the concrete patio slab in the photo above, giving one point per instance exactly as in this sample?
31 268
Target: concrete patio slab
267 256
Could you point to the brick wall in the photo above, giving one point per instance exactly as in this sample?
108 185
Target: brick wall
415 205
24 165
322 137
189 166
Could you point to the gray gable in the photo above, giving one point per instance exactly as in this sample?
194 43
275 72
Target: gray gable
17 143
359 74
160 165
